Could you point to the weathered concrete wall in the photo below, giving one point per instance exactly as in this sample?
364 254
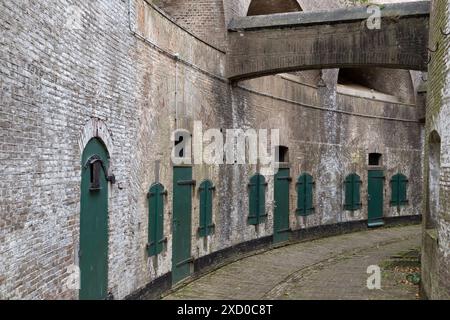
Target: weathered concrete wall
139 81
290 42
436 236
332 138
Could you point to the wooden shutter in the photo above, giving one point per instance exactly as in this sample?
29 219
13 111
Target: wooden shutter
156 238
206 226
399 184
257 200
403 190
352 193
356 192
305 185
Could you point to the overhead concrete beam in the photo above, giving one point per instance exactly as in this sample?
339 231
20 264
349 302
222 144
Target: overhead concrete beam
294 19
264 45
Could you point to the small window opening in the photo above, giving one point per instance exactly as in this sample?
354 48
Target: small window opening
375 159
282 154
95 169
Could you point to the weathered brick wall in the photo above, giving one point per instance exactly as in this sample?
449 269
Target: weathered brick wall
54 80
142 80
205 18
436 251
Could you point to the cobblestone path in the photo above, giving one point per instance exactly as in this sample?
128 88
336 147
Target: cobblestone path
329 268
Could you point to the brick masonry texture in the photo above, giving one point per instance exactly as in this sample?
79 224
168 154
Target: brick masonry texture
127 69
436 253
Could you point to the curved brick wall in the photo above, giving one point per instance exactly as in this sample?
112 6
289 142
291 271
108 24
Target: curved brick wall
143 77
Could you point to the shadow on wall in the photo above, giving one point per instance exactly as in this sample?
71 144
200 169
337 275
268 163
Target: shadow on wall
388 84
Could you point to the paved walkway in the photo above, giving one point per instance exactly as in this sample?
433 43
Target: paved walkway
329 268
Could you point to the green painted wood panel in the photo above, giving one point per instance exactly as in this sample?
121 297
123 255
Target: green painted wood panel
399 190
305 184
375 197
352 192
156 239
206 226
181 223
281 228
93 253
257 200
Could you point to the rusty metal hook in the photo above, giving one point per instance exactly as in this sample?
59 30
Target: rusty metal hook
436 48
445 33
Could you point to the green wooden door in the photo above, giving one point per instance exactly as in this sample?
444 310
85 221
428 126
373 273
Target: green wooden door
93 251
281 212
181 223
375 198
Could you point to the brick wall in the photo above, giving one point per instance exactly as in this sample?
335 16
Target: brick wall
436 252
139 81
205 18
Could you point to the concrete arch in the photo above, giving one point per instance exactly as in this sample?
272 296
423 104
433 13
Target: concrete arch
340 38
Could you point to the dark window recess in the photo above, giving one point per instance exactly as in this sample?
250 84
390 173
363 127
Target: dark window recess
282 154
206 226
375 159
399 185
96 170
257 200
305 185
156 238
352 193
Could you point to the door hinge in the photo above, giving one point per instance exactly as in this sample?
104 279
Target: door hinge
289 179
184 262
187 182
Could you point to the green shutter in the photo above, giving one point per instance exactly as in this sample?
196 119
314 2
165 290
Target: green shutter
305 185
262 199
399 196
156 238
403 190
352 193
257 200
348 193
356 192
206 226
395 200
309 208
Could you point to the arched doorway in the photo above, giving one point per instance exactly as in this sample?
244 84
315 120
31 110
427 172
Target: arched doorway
93 252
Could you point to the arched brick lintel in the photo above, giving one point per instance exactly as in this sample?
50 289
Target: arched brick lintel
96 128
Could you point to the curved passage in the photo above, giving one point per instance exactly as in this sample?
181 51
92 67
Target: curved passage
329 268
